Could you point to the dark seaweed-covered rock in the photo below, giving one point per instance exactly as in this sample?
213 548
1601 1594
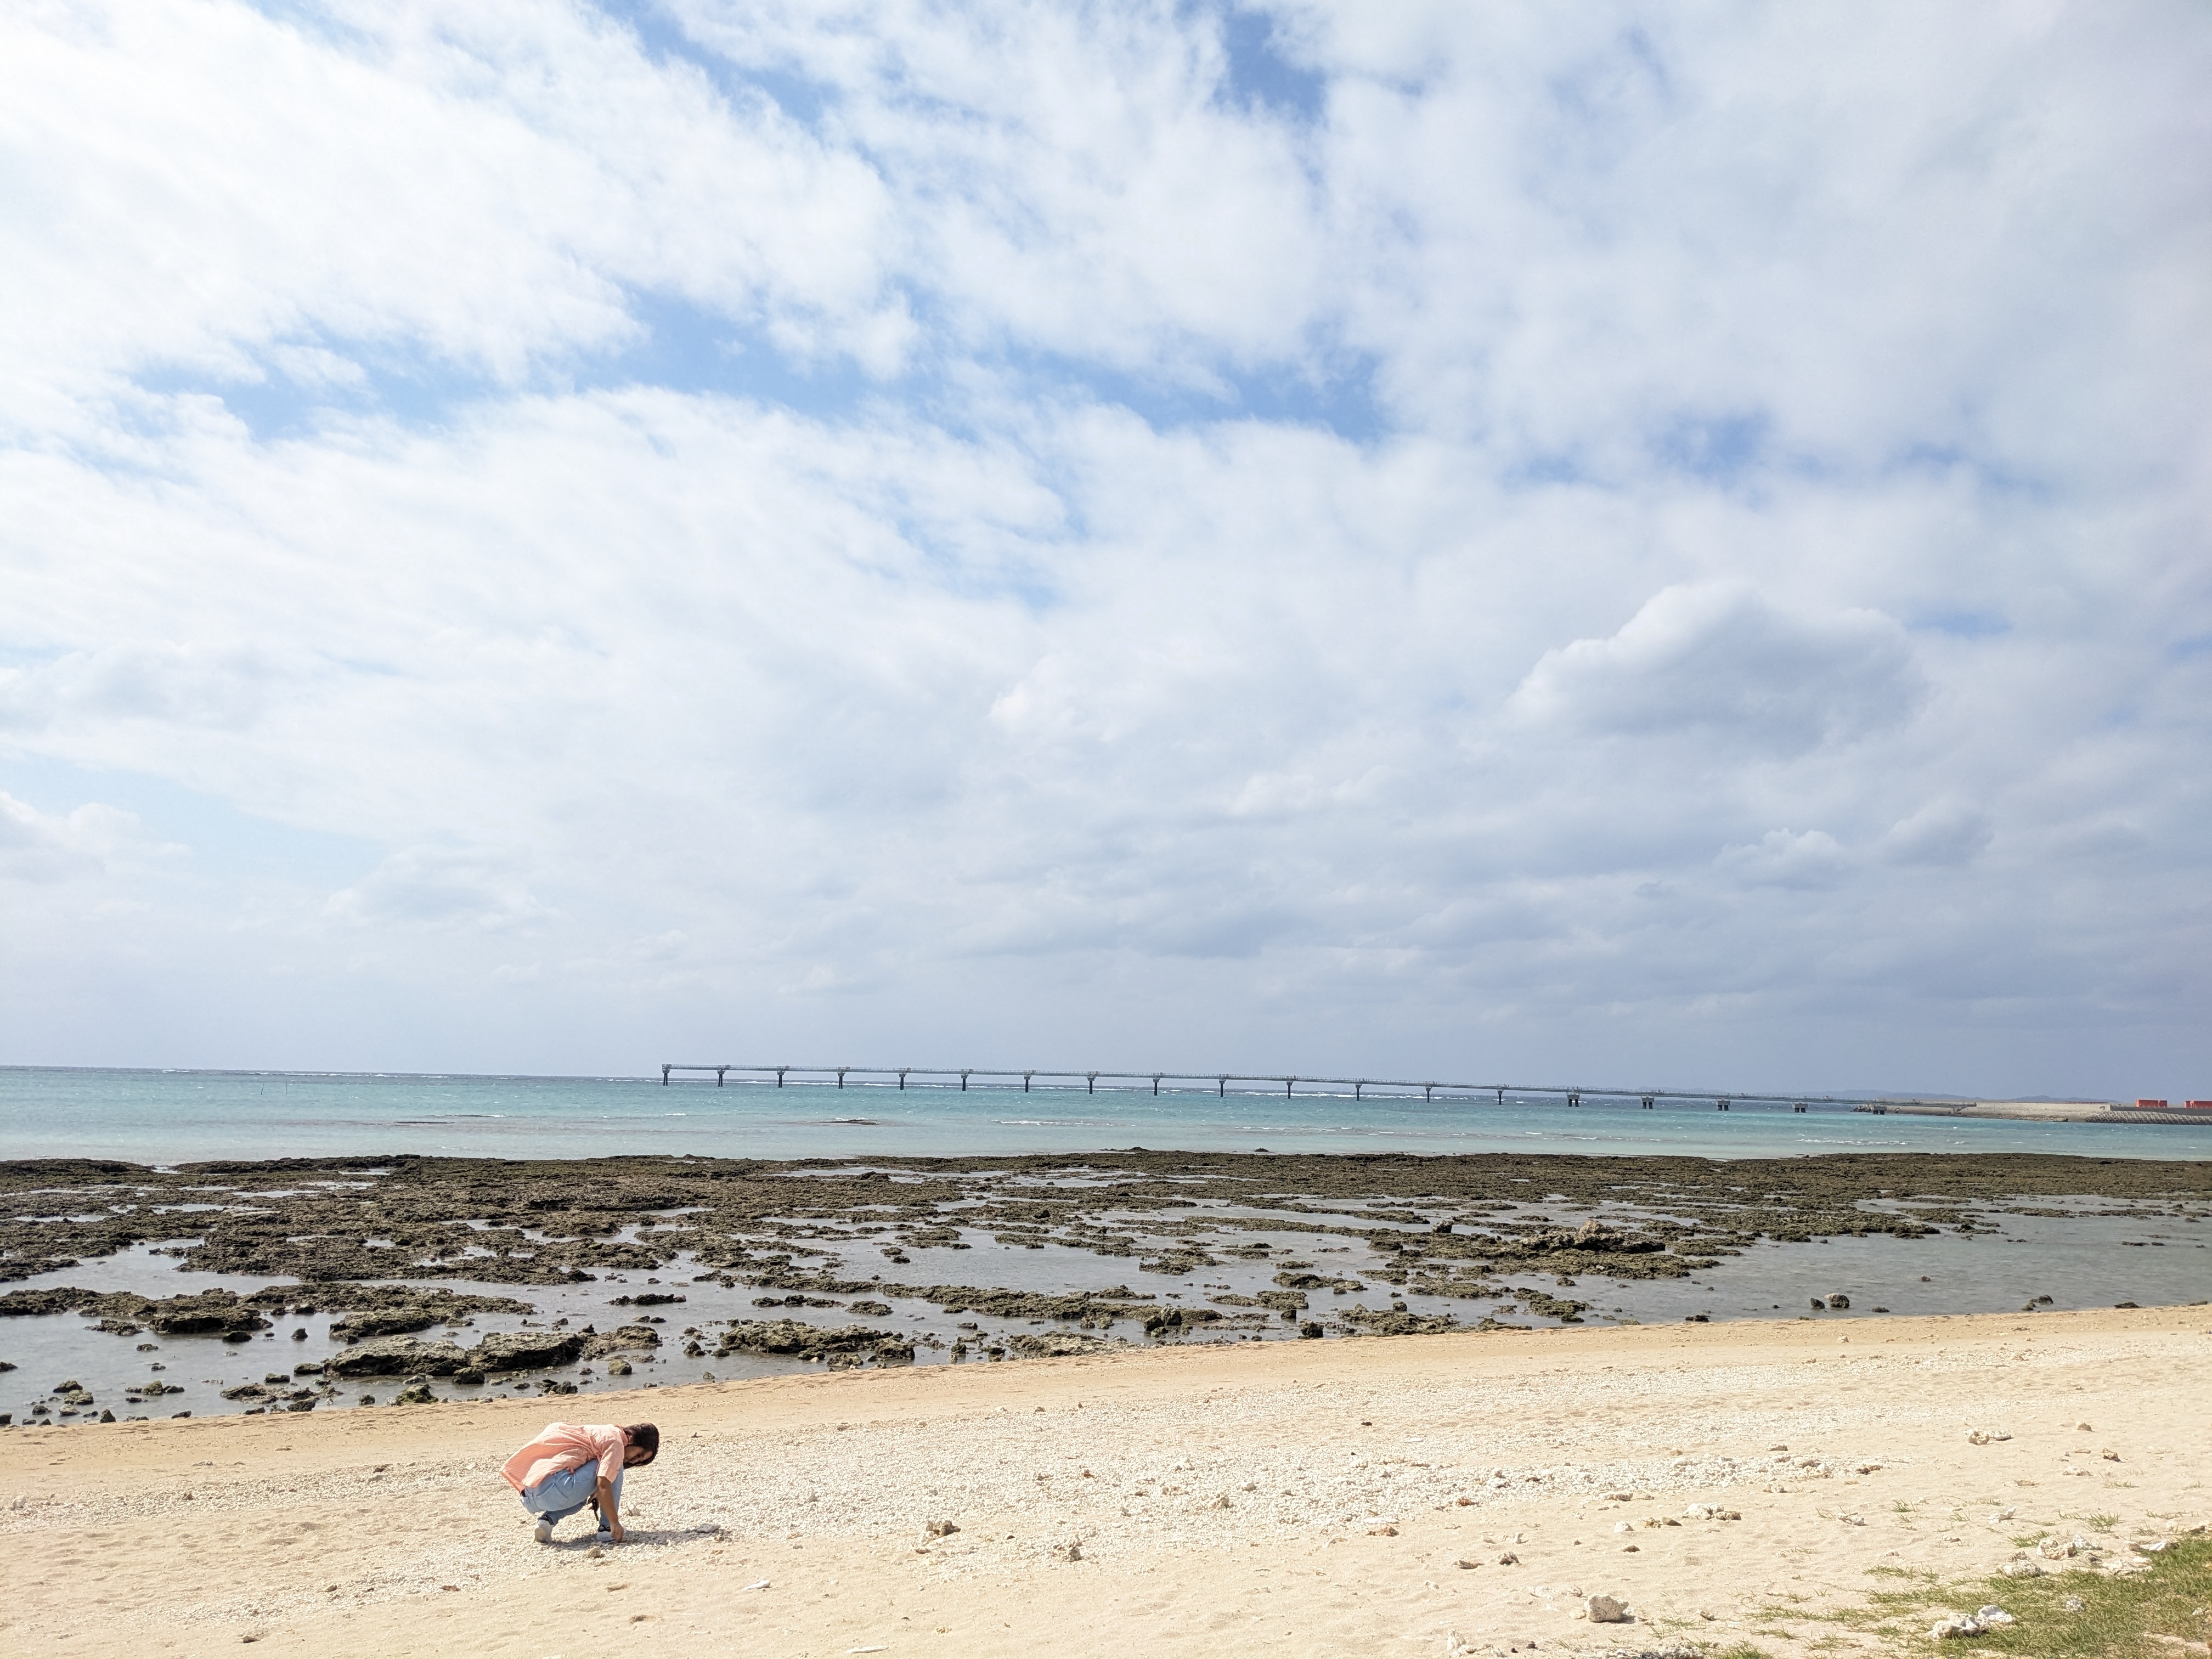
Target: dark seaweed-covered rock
598 1343
1316 1282
1471 1287
209 1312
1059 1345
1177 1262
1288 1304
530 1350
1164 1322
385 1321
1115 1302
1396 1322
32 1304
395 1356
795 1337
1552 1307
223 1312
397 1315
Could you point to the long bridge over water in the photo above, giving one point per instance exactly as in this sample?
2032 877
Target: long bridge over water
2199 1113
1089 1080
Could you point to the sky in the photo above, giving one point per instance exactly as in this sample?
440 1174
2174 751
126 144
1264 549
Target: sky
1591 544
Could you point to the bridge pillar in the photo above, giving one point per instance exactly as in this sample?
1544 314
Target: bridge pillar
1156 1082
1026 1076
1647 1102
1428 1092
842 1070
902 1071
1091 1083
1356 1088
779 1071
1221 1087
1289 1083
719 1071
963 1082
665 1071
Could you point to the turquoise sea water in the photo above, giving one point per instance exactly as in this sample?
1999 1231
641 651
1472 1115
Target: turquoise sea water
171 1117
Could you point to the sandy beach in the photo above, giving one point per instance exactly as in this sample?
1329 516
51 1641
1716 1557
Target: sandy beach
1342 1497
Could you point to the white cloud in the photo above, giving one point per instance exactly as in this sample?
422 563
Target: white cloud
1717 660
1943 832
473 190
441 888
84 842
901 524
207 685
1785 858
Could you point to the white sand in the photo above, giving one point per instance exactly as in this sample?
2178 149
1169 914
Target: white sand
389 1531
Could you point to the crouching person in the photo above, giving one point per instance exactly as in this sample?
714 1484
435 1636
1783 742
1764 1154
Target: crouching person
570 1465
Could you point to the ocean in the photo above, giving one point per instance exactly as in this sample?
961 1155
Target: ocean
167 1117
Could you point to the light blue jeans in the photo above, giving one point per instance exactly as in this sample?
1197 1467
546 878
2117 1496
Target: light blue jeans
560 1495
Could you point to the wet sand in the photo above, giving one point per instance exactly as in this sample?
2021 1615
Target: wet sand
1311 1496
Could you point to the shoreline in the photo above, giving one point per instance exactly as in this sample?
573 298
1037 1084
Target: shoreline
293 1285
1319 1495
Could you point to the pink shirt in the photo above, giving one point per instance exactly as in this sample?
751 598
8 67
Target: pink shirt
563 1446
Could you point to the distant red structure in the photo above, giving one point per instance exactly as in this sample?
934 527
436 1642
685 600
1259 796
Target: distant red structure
2197 1105
2150 1105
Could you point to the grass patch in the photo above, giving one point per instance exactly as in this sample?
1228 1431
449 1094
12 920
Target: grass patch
2118 1619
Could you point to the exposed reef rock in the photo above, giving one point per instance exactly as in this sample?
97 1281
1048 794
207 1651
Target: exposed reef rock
1174 1321
208 1313
1059 1345
395 1356
390 1243
1394 1322
407 1310
527 1349
599 1343
794 1337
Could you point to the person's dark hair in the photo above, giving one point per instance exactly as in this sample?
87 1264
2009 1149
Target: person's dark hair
646 1437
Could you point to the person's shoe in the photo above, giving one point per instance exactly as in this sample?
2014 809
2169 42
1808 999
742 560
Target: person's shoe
543 1532
606 1539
